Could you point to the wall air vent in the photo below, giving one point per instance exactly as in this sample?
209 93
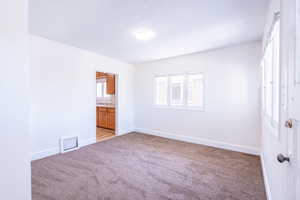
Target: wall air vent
69 144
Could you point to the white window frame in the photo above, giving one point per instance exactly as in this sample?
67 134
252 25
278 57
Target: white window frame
104 94
155 91
169 100
269 119
185 106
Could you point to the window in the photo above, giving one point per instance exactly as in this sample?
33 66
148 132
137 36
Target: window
270 76
195 90
181 90
268 79
161 90
176 90
276 72
101 88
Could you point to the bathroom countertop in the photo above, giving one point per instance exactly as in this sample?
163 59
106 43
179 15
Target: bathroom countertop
105 105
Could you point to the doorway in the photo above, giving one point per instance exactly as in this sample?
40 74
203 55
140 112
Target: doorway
105 106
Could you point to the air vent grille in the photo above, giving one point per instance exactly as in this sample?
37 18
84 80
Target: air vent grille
69 144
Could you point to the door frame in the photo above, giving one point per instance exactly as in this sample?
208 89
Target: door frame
117 110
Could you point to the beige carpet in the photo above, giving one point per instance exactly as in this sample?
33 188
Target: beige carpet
137 166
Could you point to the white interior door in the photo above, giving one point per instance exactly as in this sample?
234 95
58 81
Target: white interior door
295 103
293 112
289 155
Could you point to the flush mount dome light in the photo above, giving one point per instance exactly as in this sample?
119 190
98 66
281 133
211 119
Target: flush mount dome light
143 34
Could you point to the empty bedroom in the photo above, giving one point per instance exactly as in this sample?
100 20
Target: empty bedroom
148 99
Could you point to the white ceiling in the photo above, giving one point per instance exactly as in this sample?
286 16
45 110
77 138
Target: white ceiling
181 26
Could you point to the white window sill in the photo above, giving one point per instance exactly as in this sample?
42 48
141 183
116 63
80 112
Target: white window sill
187 108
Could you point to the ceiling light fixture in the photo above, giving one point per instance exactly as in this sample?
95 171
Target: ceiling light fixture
143 34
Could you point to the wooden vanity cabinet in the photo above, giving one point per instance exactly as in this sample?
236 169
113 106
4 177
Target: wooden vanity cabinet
100 75
102 117
106 117
111 118
110 84
97 117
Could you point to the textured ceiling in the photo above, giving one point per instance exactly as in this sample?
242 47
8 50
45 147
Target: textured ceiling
181 26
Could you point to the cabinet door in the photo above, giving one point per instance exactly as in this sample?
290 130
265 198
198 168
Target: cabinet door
110 89
103 117
111 119
97 117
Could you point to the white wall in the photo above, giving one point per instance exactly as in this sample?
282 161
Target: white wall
14 102
63 89
231 118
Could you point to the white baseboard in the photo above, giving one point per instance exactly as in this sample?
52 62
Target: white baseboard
44 153
87 142
55 150
207 142
125 131
265 176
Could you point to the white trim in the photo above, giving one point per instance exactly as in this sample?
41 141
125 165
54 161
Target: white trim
189 108
203 141
56 150
266 179
44 153
124 131
87 142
